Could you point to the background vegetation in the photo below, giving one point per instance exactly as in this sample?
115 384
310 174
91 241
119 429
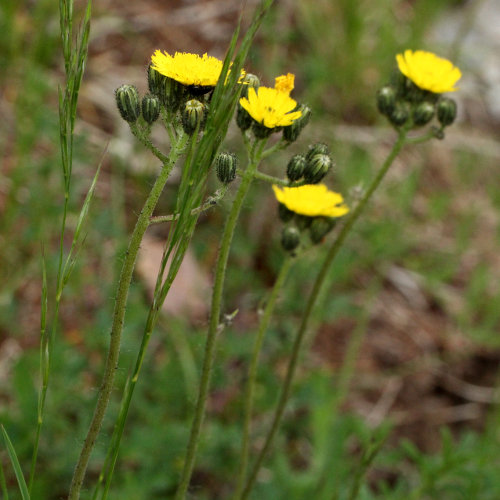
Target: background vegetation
405 351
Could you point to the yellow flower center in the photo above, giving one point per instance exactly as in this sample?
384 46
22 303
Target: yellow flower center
285 83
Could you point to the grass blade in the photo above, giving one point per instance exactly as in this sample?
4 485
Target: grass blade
16 466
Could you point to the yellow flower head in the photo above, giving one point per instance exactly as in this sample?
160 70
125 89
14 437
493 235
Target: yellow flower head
312 200
428 71
285 83
188 69
270 107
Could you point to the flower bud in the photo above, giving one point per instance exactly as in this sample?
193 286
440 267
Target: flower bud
399 115
171 94
423 113
290 238
446 111
249 81
292 132
386 99
155 81
317 167
225 167
193 116
150 108
318 148
127 100
303 221
320 227
261 131
243 119
295 168
284 213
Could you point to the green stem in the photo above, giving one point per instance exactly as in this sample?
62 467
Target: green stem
320 279
220 273
209 203
252 370
139 133
279 182
118 318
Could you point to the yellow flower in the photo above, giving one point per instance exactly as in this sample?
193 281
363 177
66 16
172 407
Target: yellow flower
428 71
285 83
270 107
188 69
312 200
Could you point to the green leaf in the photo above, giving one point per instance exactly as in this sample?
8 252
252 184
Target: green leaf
15 464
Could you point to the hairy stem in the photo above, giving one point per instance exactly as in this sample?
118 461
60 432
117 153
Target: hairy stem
313 297
104 394
220 273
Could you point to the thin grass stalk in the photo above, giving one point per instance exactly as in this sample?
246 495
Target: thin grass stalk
252 370
118 318
318 284
74 68
366 461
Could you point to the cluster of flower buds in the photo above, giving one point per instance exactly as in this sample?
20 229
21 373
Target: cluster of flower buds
310 210
186 104
311 167
414 97
303 227
405 104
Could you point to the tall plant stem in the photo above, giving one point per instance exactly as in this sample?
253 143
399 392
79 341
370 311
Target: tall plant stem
220 273
118 318
252 370
313 297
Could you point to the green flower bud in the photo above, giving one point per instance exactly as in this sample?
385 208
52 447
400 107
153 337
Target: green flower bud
292 132
193 116
303 221
284 213
446 111
399 115
225 167
320 227
295 168
249 81
155 81
261 131
171 94
318 148
423 113
127 100
243 119
386 100
290 238
150 108
317 167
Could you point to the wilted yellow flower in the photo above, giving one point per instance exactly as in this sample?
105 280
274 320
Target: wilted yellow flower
428 71
285 83
312 200
188 69
270 107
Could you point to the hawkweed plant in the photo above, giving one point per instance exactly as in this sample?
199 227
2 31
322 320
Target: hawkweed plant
194 98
